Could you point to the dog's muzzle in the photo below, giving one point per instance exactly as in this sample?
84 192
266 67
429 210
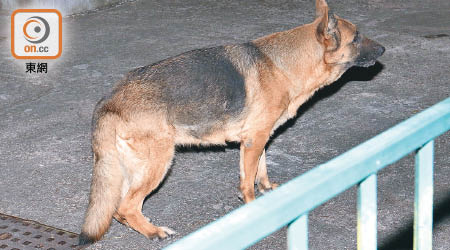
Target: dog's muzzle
369 52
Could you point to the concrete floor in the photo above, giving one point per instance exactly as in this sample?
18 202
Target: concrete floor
45 158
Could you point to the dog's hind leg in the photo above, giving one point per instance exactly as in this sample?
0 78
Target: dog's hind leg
146 159
262 179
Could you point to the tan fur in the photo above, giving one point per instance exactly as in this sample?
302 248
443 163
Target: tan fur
135 137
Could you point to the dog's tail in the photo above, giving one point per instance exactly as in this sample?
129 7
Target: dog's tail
107 180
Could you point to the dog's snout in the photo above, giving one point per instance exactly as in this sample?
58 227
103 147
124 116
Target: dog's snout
369 52
381 50
377 49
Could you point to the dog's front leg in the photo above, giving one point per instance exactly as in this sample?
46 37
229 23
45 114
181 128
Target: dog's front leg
251 150
262 179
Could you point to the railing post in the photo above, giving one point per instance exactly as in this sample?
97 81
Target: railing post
367 214
423 201
298 233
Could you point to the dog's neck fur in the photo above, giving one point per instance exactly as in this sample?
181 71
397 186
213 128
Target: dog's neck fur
289 51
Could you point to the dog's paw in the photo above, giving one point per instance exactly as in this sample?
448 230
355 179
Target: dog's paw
163 233
168 231
263 189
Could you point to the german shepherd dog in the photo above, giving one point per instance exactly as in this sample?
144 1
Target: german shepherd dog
232 93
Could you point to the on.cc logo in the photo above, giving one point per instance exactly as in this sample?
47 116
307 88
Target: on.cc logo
39 29
36 34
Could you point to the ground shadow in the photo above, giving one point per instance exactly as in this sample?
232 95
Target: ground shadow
404 238
209 148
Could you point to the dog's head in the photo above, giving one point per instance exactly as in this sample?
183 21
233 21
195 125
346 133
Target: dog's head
343 44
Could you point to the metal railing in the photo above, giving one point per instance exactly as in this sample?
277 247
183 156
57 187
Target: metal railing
290 203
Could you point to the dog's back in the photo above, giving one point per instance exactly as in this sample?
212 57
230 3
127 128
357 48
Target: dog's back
198 90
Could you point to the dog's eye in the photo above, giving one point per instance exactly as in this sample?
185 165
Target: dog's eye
357 37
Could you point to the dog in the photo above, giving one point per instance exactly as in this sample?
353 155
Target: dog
232 93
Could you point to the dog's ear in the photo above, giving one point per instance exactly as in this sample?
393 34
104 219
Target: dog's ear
321 8
327 31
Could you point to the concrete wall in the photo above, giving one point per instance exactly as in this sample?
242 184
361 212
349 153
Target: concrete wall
66 7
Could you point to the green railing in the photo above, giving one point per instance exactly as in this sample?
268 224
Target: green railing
290 203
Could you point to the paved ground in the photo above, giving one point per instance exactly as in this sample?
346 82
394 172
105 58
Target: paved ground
45 159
